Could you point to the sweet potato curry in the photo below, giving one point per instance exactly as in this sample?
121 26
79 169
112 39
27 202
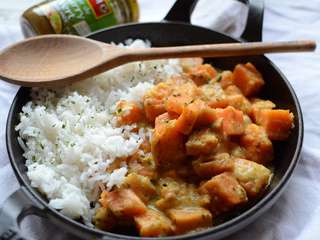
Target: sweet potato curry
209 153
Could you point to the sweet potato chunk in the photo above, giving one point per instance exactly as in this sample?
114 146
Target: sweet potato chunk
237 151
103 199
182 95
226 79
141 185
277 123
153 223
253 177
153 108
239 102
147 169
201 74
189 116
154 100
201 142
167 144
190 218
176 103
248 79
257 144
123 202
128 112
225 191
258 103
175 193
213 165
104 219
232 123
206 117
232 90
214 95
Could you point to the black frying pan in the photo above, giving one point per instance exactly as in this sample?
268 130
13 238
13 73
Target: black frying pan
174 30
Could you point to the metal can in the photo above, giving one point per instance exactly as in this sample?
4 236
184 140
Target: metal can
78 17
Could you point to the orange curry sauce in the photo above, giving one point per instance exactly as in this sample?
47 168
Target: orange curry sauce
210 147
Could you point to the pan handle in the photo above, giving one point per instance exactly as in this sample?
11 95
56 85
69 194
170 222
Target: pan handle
13 210
253 29
182 9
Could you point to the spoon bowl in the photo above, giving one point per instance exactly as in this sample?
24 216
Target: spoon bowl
48 59
53 60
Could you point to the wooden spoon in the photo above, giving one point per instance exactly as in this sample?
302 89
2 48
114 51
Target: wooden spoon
53 60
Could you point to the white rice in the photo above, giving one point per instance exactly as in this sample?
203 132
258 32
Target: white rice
70 138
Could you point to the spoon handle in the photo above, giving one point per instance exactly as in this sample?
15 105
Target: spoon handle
221 50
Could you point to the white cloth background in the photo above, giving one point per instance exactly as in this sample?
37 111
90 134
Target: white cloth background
296 215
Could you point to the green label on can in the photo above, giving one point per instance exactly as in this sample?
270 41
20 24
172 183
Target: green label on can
80 17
